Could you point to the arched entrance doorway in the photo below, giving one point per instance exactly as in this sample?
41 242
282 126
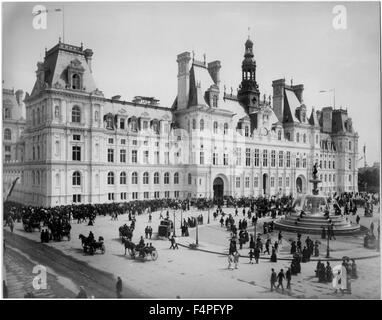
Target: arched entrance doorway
265 183
300 184
218 186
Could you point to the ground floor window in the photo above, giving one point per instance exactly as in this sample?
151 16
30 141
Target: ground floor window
247 182
272 182
123 195
110 196
135 195
167 194
237 182
76 198
156 194
176 194
145 195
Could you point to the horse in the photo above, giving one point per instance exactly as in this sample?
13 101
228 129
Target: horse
129 245
84 239
126 231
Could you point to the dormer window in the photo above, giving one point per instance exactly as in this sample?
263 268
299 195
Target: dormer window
122 124
279 135
109 123
134 125
76 82
215 101
246 131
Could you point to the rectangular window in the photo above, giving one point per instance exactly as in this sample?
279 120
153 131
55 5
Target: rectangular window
110 155
256 182
248 157
167 194
288 159
265 158
134 156
146 195
237 182
146 156
201 157
156 194
122 124
76 198
156 157
247 182
215 159
280 181
77 137
135 142
273 158
257 158
272 182
176 194
281 159
122 155
7 157
166 157
110 196
297 162
238 156
110 140
135 195
287 182
76 153
123 141
145 125
304 163
123 195
225 159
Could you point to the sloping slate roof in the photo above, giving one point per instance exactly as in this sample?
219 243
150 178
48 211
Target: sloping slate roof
234 107
138 110
293 104
199 76
313 120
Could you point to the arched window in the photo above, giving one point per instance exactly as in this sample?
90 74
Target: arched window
122 178
7 134
176 178
225 128
166 178
134 125
146 178
109 123
7 113
76 81
134 178
304 138
76 179
76 114
193 124
189 178
279 135
288 136
201 125
215 127
110 178
156 127
156 178
56 112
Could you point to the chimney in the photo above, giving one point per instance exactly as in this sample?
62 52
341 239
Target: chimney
183 60
298 90
278 98
214 70
88 58
327 114
19 96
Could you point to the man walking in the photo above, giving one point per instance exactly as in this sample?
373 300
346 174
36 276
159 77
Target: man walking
273 279
174 245
281 277
256 253
118 287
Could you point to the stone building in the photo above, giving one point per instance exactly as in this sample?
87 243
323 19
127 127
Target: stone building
81 147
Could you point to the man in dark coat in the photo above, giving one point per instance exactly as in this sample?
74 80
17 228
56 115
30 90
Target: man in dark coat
256 253
288 277
118 287
281 277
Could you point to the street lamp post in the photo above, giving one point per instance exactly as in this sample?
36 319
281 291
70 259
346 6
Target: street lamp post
208 221
327 243
197 233
174 225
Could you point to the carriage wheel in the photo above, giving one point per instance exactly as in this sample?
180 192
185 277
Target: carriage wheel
154 255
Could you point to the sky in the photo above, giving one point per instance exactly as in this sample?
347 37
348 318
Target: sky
135 47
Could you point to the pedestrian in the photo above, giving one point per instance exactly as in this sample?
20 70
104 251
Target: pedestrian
273 279
281 277
251 255
236 258
288 277
118 287
150 217
256 253
357 219
82 294
174 245
280 237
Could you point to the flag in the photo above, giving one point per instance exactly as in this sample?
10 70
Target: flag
11 188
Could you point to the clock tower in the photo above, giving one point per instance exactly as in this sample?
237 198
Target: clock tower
249 94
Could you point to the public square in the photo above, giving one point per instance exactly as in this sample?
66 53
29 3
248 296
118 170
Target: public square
188 273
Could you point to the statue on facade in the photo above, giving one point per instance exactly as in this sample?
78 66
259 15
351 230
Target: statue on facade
315 171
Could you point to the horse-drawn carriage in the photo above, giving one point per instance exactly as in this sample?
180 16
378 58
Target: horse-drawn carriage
91 246
30 224
139 250
126 231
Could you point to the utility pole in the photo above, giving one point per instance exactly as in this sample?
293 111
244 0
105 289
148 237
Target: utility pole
197 233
